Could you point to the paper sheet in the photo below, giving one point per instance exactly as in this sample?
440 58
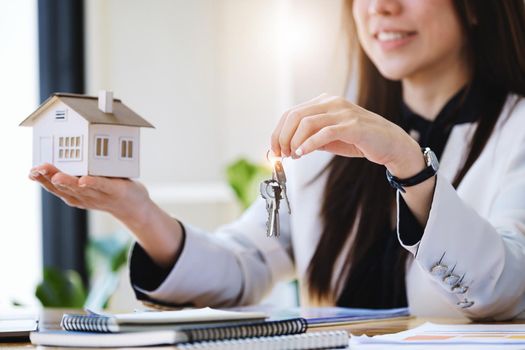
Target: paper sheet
464 334
184 316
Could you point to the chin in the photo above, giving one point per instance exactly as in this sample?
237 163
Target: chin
392 74
392 71
391 66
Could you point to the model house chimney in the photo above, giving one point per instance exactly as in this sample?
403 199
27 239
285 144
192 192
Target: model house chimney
105 101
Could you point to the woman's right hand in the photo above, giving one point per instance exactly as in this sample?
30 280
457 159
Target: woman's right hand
127 200
117 196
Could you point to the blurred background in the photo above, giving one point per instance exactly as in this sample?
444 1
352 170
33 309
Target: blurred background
213 77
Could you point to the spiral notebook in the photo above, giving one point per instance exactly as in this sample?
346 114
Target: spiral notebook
280 334
313 340
154 320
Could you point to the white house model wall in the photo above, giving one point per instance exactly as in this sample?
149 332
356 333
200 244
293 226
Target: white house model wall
114 150
60 138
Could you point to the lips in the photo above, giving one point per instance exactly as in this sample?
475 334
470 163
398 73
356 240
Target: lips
387 36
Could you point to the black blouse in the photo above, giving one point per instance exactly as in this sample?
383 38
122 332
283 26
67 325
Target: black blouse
377 273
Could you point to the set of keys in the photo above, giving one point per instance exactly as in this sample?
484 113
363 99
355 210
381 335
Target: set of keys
273 190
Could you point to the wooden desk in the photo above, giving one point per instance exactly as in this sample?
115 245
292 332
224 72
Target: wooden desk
389 326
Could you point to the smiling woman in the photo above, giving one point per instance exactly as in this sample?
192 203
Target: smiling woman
376 221
20 243
402 43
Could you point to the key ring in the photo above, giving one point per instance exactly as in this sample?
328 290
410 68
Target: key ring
267 188
268 155
272 159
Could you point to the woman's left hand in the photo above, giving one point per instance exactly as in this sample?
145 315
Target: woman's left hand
338 126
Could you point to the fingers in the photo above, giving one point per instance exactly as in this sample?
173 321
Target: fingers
318 140
64 180
84 189
51 176
58 190
341 138
98 183
341 148
309 126
276 147
292 121
276 135
72 190
46 169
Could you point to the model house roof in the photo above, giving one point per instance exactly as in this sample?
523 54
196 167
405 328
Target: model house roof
88 108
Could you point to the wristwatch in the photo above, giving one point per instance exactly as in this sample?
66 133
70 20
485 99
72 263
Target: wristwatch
431 170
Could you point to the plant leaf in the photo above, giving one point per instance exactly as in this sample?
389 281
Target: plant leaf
61 289
244 178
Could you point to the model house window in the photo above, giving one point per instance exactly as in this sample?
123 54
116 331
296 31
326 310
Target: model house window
101 146
61 114
126 148
69 148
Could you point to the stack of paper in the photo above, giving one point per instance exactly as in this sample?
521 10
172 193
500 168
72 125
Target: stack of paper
338 316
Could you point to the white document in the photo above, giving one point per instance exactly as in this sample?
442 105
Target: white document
459 334
184 316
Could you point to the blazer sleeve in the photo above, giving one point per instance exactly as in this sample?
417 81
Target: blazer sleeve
236 265
477 262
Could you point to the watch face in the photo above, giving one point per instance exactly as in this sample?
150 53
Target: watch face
431 159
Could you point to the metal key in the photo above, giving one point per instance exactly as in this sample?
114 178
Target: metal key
272 195
271 192
280 177
267 194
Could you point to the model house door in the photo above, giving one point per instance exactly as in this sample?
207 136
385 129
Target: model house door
46 150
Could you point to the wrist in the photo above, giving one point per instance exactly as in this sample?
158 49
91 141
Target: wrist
135 215
430 170
159 234
409 163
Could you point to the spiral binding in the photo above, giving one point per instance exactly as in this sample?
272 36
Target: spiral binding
247 330
101 324
314 340
85 323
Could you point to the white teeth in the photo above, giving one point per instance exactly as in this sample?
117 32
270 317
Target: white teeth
390 36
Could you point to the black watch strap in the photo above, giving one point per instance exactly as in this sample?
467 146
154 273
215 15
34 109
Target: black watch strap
429 171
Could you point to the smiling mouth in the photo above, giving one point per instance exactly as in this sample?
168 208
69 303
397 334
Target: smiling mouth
393 36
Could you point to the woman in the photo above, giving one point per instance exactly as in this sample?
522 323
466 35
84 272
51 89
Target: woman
447 74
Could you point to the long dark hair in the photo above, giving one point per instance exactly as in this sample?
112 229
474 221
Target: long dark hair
357 197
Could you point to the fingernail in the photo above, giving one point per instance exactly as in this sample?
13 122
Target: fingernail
299 152
42 171
34 174
82 185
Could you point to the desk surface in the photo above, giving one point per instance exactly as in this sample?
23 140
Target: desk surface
368 328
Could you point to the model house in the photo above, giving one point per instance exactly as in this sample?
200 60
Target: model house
84 135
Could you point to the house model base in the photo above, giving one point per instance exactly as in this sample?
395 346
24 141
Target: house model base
84 135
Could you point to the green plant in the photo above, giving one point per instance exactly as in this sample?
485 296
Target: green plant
61 289
105 256
244 178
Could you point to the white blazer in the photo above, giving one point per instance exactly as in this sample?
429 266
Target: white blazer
470 261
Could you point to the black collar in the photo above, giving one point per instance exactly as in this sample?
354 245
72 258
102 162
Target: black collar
463 107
